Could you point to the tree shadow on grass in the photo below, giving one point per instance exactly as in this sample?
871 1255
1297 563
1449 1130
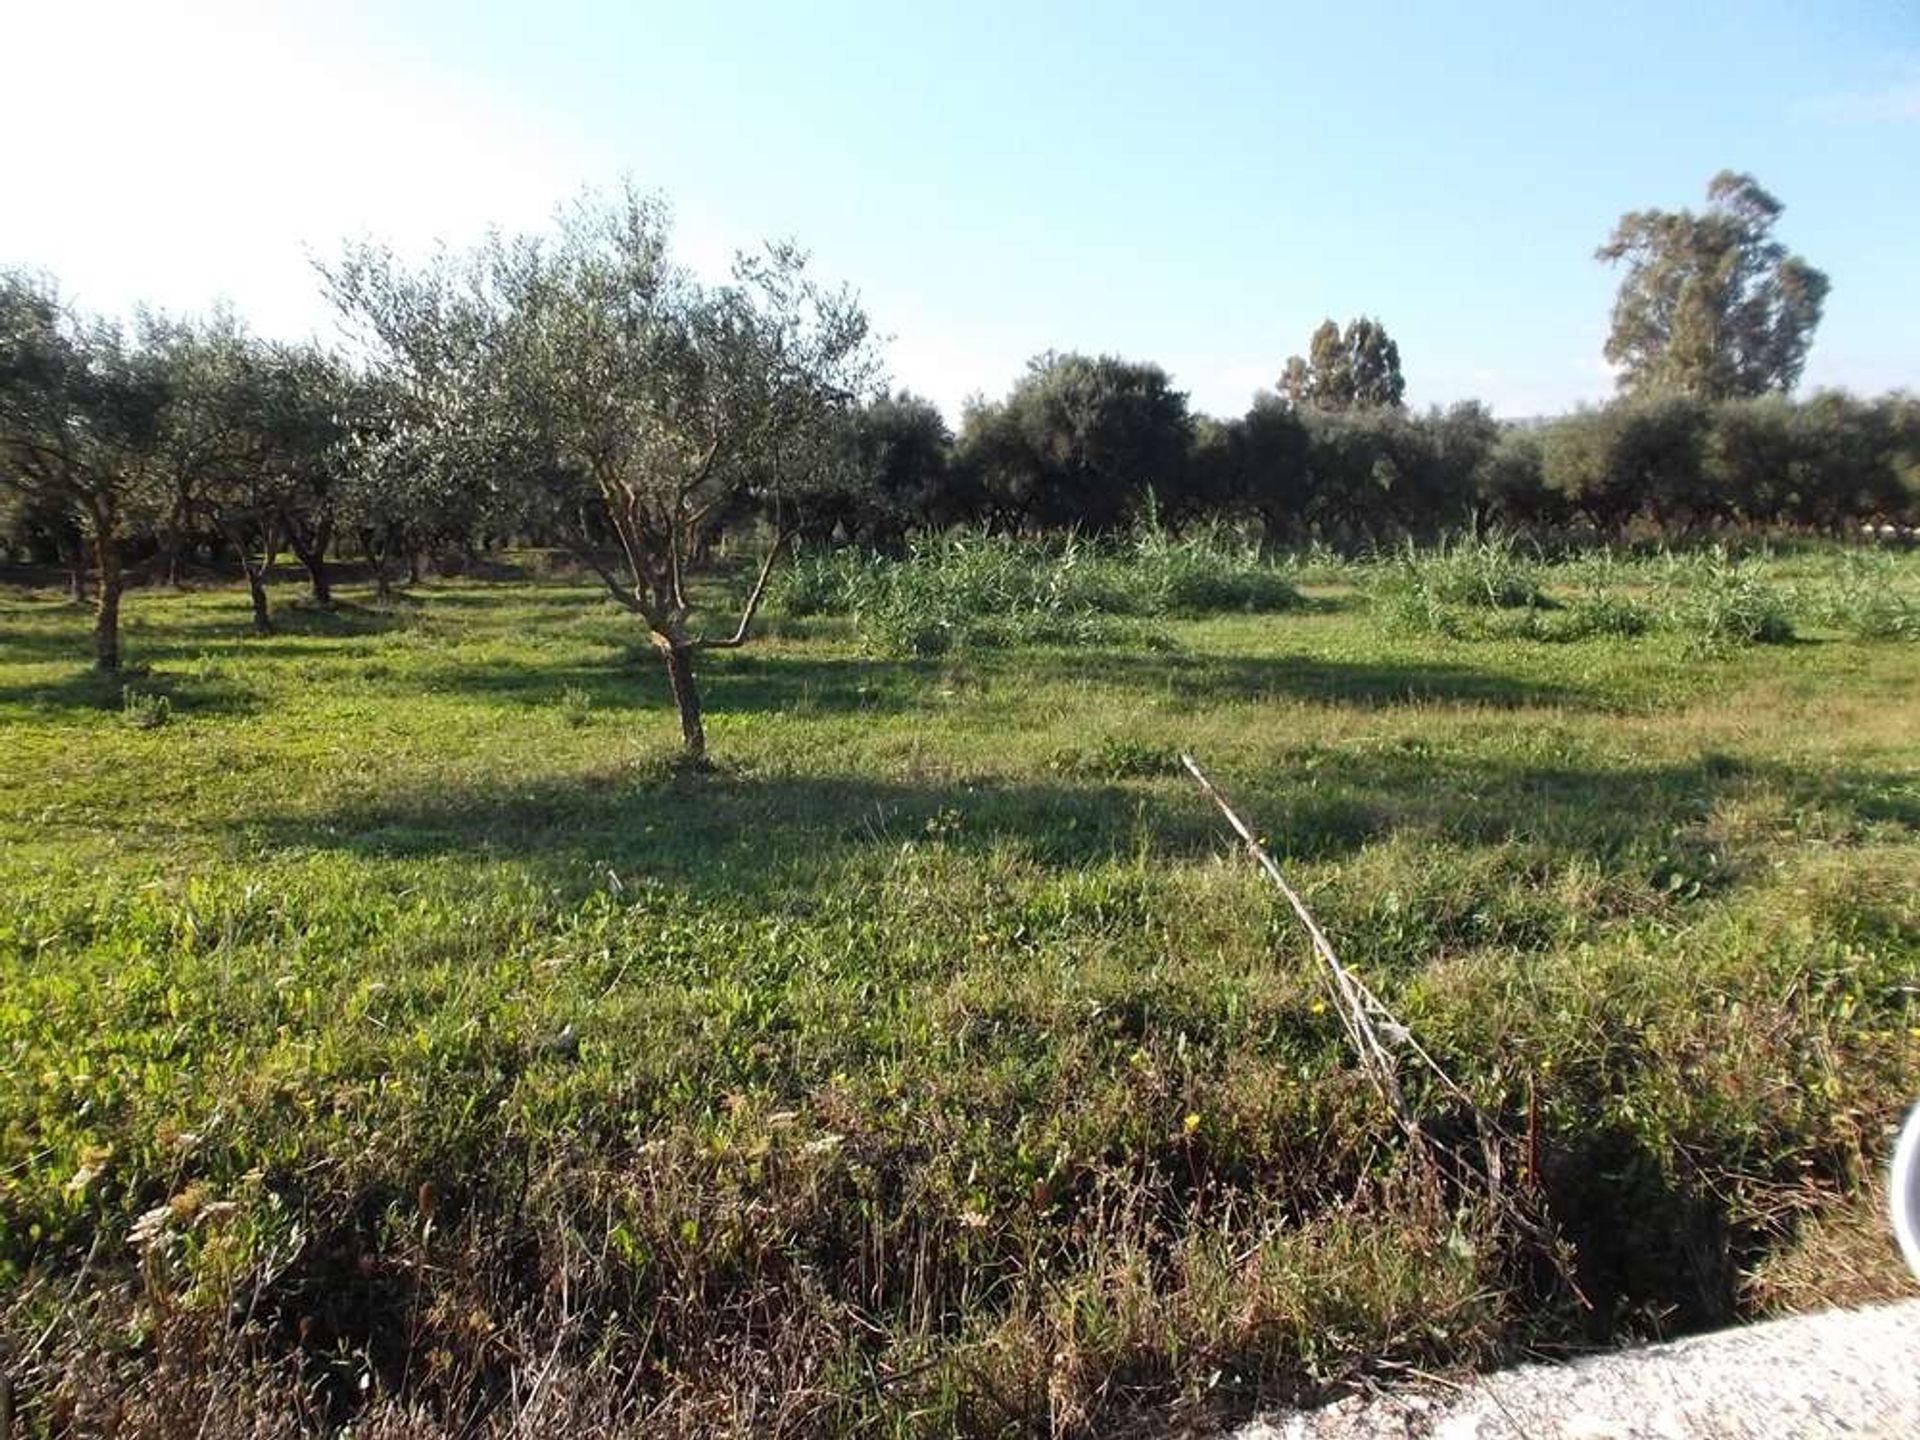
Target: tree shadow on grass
300 629
67 639
720 834
734 684
87 689
747 834
780 683
1200 679
153 656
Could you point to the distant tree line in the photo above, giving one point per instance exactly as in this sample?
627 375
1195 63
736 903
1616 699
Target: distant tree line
1100 443
581 390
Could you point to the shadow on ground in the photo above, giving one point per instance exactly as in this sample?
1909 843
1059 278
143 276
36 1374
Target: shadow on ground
88 689
770 683
1207 679
751 833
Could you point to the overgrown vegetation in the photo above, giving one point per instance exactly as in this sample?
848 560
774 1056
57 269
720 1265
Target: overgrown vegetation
396 1035
958 591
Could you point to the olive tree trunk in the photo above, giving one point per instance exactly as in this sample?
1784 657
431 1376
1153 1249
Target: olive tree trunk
73 555
310 547
257 593
686 695
106 610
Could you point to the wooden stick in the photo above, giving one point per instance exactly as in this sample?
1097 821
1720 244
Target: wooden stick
1356 1004
1359 1008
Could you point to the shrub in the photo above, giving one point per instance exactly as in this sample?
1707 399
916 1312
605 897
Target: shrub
819 582
144 711
1412 607
1422 590
1488 572
1723 603
1117 759
1867 600
1602 613
950 592
1206 571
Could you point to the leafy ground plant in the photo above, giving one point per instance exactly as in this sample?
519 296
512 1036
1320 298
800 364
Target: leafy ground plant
980 591
1870 595
1719 602
1445 590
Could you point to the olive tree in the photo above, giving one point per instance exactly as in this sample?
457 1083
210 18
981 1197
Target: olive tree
274 404
244 444
1080 440
303 409
80 410
640 411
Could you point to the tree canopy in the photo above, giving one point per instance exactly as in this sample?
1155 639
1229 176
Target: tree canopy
579 389
1711 305
1354 369
1080 440
81 411
639 411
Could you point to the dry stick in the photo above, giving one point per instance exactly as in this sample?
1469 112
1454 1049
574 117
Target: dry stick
1356 1004
1359 1007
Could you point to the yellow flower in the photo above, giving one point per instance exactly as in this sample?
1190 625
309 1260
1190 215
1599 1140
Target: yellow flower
1191 1123
1318 1007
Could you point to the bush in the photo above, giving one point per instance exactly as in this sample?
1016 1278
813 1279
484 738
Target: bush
1867 600
1423 590
1117 759
1204 572
951 592
1602 613
1487 572
144 711
819 582
1722 603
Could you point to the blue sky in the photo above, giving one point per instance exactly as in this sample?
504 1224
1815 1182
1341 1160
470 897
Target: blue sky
1197 185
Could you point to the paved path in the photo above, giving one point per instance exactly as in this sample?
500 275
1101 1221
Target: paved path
1853 1373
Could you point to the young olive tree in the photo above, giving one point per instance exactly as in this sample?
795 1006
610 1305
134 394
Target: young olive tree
302 410
205 466
639 412
411 468
244 443
80 412
200 433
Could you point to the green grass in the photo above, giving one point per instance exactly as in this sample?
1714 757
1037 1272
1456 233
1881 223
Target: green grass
934 1065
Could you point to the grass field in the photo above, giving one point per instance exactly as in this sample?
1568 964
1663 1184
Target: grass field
391 1028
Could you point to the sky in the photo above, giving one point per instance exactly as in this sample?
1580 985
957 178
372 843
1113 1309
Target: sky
1197 185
